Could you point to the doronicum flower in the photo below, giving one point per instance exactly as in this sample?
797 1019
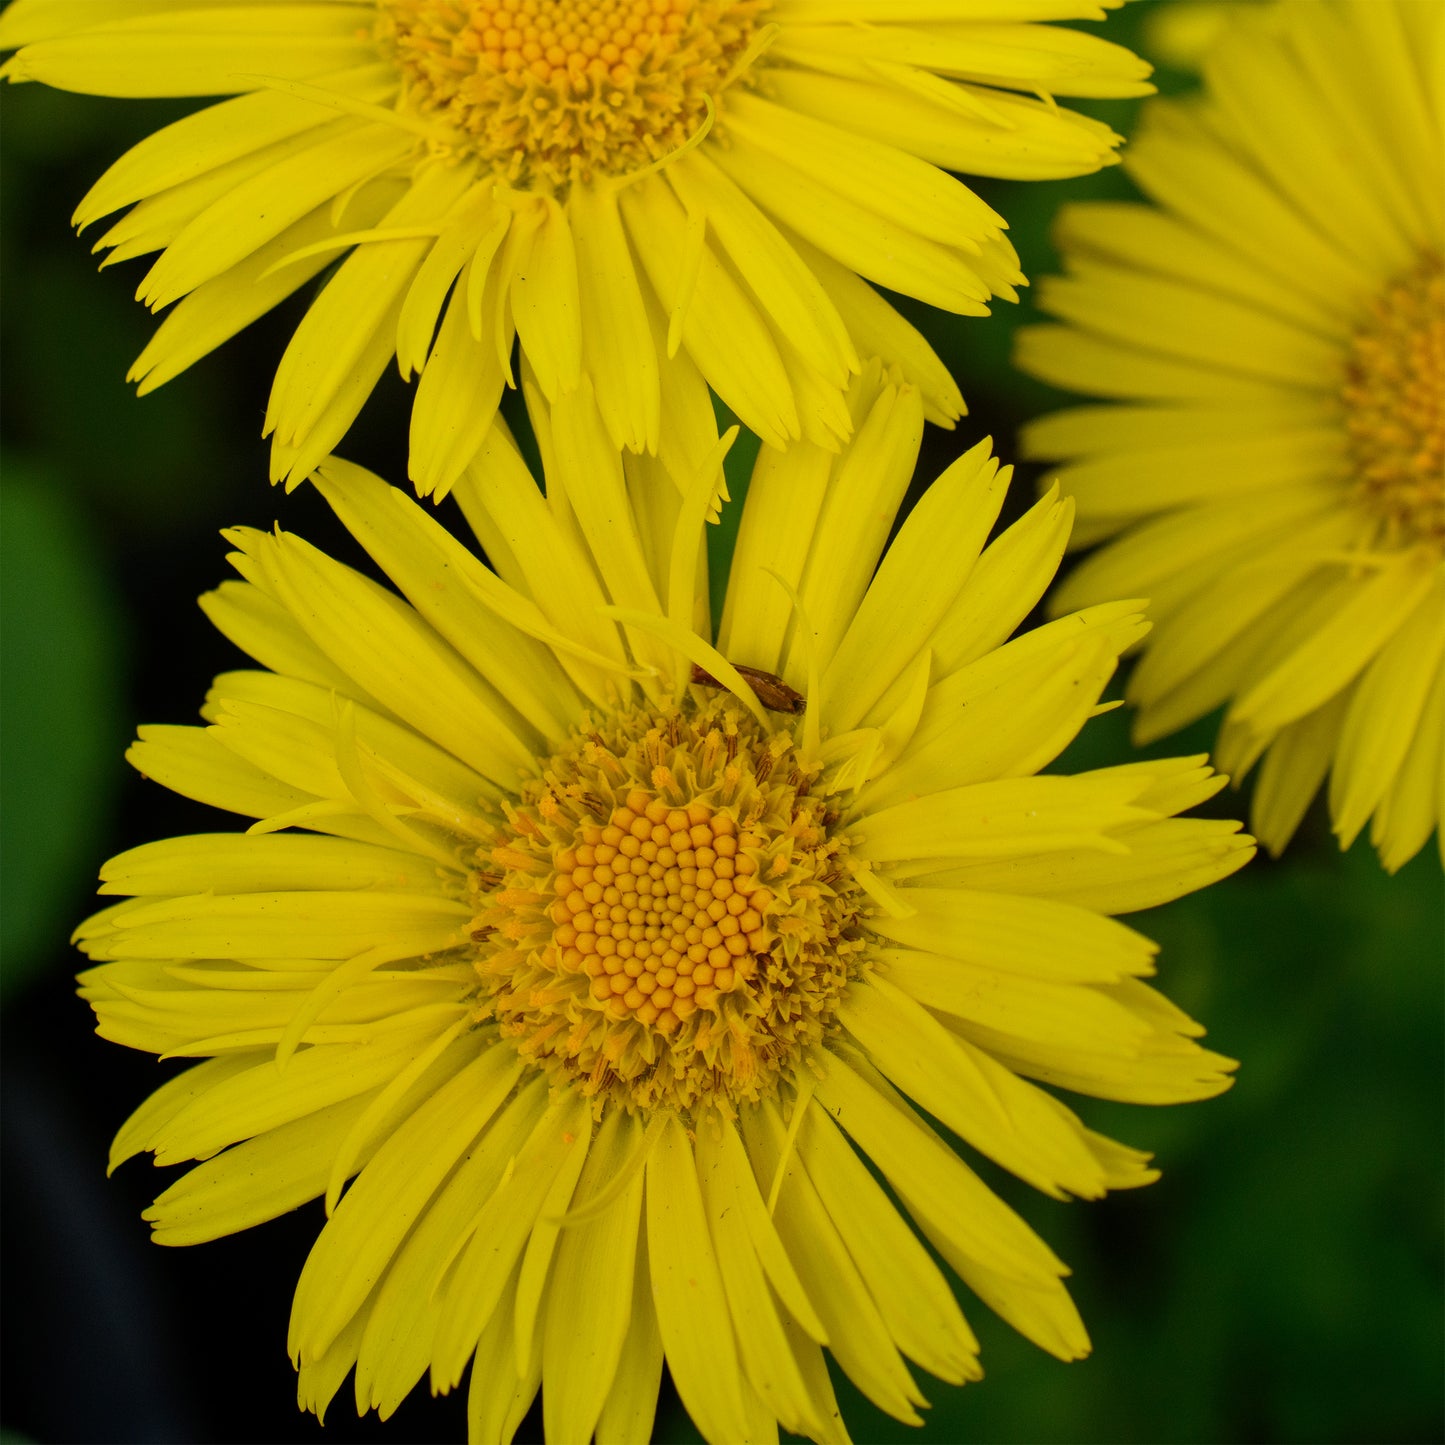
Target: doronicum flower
1274 323
653 193
599 955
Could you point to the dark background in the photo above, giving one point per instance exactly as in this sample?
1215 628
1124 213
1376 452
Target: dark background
1282 1282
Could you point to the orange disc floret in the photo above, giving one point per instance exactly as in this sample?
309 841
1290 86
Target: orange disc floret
679 976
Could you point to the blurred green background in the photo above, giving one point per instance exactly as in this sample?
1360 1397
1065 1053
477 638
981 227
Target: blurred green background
1281 1283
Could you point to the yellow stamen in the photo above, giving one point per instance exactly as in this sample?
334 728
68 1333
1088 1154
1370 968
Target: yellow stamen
556 91
1394 397
697 919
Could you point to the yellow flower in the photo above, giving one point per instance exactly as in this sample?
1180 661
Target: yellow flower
1276 323
632 187
606 946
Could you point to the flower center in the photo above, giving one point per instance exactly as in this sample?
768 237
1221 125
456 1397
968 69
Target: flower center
1394 397
555 91
668 918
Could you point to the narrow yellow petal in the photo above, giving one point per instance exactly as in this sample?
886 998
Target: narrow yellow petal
498 1397
1412 809
911 1294
1007 816
589 1305
195 764
1035 937
259 1180
687 1290
360 1239
1336 653
456 401
617 345
212 137
378 640
724 333
1384 714
976 727
220 307
1164 861
396 1348
863 238
1050 60
499 1233
925 568
1124 306
785 498
445 583
857 1335
169 1100
1005 584
267 1095
545 303
852 527
318 1380
767 1360
198 51
631 1404
878 330
949 1201
263 629
792 298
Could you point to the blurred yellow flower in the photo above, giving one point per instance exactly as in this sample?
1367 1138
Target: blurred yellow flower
595 952
653 193
1276 323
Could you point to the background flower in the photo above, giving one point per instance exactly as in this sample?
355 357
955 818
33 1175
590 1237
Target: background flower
1277 320
653 194
1278 1283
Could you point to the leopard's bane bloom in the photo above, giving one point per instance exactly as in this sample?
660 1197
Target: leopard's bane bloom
599 976
1275 324
647 192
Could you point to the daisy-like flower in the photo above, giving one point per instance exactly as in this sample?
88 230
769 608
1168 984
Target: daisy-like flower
1275 325
595 953
652 193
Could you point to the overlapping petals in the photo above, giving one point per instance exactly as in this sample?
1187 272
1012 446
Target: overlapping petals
740 257
322 964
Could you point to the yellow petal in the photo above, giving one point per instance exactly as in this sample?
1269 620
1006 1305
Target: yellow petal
1383 715
632 1402
361 1237
857 1335
1035 937
925 568
256 1181
588 1307
501 1228
687 1290
617 345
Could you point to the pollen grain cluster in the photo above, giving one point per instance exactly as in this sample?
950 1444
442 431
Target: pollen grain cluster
668 918
1394 396
555 91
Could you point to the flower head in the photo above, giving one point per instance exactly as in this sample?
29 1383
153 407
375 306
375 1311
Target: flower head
1275 320
651 193
595 949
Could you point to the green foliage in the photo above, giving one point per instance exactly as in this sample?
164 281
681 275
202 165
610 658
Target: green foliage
57 699
721 539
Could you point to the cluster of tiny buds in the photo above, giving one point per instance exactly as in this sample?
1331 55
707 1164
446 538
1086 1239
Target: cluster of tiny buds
662 908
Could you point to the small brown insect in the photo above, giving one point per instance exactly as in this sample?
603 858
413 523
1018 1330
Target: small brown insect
773 692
